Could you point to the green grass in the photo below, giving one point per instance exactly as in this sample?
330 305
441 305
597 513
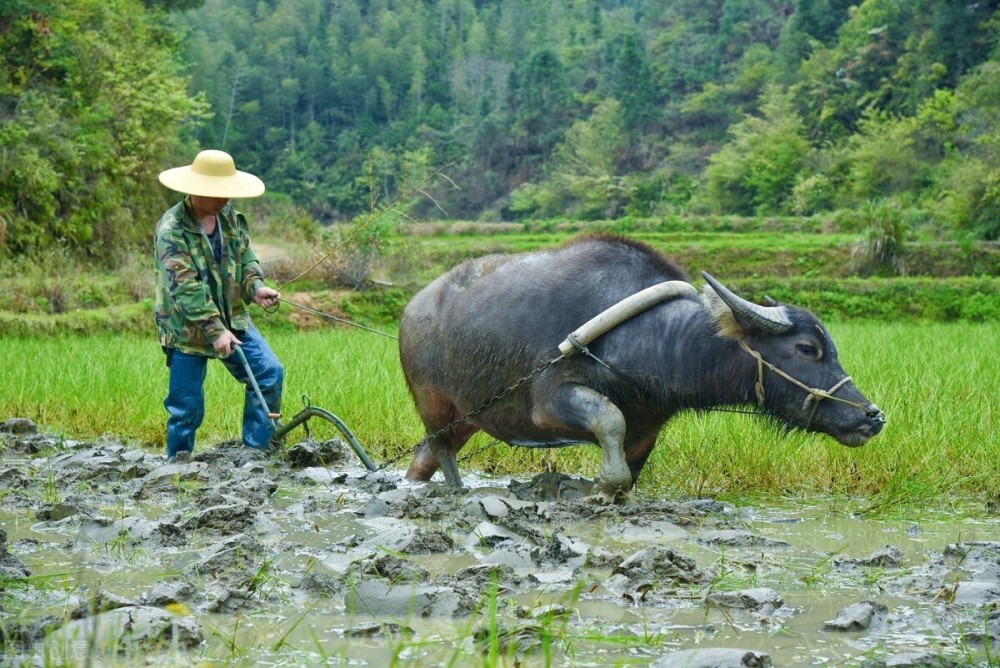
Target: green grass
937 385
936 382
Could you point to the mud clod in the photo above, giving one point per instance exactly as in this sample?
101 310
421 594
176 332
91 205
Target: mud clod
225 518
552 487
308 452
10 566
101 601
761 599
141 626
168 593
386 567
232 553
662 563
380 598
889 556
18 427
374 630
858 617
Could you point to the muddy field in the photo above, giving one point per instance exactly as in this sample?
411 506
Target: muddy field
110 555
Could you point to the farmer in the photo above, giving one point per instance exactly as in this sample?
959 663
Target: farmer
206 275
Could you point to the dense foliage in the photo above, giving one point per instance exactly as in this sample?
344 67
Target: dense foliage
598 108
585 109
91 103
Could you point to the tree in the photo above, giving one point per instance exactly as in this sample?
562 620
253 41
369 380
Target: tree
882 159
972 183
582 179
93 109
756 172
820 19
540 99
633 85
960 34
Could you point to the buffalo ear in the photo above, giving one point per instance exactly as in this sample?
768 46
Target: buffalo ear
745 315
769 301
725 322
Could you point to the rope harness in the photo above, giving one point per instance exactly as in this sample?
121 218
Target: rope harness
814 396
330 316
580 348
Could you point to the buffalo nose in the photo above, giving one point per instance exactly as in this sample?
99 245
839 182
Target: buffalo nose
875 413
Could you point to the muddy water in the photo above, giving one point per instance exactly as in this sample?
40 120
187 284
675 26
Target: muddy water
309 559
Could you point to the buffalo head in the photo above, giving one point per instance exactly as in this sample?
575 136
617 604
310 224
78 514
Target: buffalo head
795 372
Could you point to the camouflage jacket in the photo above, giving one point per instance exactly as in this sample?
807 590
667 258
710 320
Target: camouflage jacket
197 300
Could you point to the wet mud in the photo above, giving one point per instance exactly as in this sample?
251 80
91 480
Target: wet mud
112 555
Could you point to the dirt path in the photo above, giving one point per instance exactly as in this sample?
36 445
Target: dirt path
269 252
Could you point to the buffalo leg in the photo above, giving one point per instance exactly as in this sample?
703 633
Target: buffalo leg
445 447
440 451
582 408
637 452
424 464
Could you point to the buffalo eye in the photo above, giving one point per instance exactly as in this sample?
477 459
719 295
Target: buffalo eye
807 349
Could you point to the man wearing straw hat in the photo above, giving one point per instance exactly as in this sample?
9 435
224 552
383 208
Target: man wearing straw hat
206 275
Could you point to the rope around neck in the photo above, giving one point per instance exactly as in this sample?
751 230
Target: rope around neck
814 394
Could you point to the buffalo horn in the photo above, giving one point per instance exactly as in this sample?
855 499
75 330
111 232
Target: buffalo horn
773 319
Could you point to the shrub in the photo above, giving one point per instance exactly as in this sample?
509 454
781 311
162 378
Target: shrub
973 201
883 241
812 194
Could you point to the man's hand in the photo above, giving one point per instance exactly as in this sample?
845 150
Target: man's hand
224 344
266 297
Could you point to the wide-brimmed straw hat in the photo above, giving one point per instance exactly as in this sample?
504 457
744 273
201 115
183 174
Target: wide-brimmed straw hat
212 174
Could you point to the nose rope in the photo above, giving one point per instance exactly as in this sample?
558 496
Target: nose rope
815 395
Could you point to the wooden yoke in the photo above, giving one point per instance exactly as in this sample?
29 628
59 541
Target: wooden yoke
615 315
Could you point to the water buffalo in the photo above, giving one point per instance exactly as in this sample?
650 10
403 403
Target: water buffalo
475 331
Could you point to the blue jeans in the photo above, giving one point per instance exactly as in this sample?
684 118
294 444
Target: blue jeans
185 402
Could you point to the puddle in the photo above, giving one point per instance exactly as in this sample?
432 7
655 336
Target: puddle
226 559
